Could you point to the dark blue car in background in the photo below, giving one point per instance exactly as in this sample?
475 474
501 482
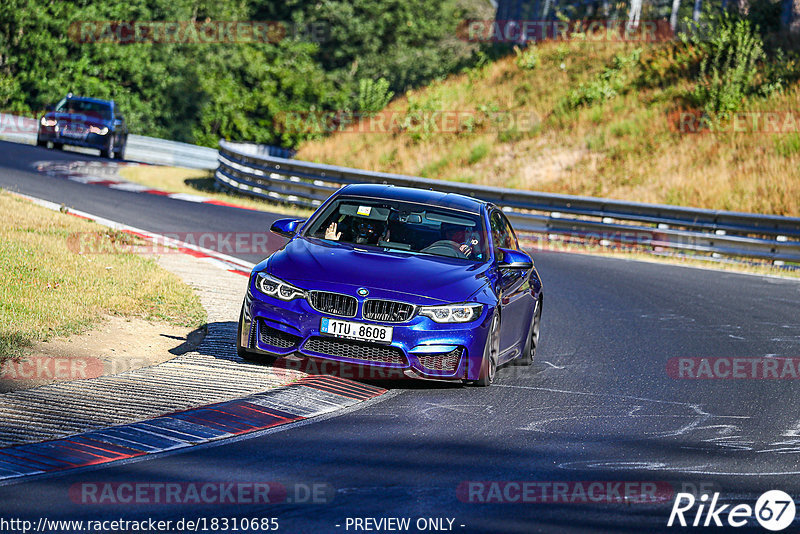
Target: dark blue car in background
84 122
421 283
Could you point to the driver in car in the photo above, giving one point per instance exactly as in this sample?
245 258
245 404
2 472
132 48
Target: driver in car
467 241
365 232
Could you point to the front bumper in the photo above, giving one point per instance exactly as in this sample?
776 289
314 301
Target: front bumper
96 141
420 347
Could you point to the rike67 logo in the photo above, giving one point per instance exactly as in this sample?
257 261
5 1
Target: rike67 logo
774 510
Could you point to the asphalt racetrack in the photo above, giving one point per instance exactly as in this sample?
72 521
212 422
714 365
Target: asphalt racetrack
604 403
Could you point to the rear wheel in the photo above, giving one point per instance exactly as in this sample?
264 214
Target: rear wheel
58 146
491 353
532 342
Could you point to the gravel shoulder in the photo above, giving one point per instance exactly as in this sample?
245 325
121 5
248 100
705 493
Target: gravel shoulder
145 379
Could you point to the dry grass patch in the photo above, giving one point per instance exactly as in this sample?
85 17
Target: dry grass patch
48 289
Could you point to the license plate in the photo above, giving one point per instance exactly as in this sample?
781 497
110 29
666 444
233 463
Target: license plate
75 133
361 331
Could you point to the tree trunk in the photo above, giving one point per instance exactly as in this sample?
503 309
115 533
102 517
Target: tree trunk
673 19
786 13
794 23
743 6
790 16
546 10
698 7
634 14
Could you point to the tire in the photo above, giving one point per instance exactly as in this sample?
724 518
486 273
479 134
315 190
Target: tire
58 146
246 354
532 343
491 353
121 150
41 143
108 152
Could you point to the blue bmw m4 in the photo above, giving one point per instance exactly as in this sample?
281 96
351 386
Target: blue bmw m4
421 283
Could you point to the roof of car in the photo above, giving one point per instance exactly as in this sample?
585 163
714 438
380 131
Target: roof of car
412 194
89 99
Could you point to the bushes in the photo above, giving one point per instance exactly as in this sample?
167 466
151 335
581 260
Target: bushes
373 95
612 81
731 52
527 59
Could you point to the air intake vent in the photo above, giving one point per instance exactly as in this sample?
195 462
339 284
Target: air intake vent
275 338
387 311
333 303
441 362
355 350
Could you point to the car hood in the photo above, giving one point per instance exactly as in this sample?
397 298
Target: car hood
317 264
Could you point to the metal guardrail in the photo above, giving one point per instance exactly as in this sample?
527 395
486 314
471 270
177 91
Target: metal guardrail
139 148
172 153
251 170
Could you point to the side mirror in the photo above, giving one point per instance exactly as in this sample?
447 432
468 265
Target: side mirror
286 227
514 259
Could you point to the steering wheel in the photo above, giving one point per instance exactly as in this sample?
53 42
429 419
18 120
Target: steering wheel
445 247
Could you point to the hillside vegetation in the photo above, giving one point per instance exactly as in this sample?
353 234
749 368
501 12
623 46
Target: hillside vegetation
668 122
227 69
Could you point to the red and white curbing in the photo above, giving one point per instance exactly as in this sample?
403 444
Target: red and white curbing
309 397
103 173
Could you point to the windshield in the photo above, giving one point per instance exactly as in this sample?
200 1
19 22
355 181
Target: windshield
85 107
395 225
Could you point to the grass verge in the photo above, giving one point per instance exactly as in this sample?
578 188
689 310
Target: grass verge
48 289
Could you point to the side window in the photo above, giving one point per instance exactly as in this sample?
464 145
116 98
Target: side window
499 236
508 232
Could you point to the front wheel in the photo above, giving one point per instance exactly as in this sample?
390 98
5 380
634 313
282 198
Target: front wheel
41 143
121 150
246 354
491 353
108 152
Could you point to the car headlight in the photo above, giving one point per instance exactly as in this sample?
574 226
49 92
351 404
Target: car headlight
275 287
453 313
98 131
48 122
